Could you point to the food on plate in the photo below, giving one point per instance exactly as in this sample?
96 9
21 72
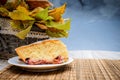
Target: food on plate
43 52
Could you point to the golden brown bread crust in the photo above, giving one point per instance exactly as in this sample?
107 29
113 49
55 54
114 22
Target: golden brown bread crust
46 50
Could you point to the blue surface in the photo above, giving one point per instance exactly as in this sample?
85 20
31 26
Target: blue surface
95 26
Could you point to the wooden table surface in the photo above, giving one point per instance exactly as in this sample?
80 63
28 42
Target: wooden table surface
87 65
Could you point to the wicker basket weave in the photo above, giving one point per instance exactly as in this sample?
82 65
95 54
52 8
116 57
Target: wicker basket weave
8 40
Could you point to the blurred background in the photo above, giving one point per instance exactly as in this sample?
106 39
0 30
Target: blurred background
95 24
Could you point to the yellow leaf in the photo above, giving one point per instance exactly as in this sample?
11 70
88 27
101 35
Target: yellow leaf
23 9
57 12
18 15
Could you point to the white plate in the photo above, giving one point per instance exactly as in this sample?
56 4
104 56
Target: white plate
37 68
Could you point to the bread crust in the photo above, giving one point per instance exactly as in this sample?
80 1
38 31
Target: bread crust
46 50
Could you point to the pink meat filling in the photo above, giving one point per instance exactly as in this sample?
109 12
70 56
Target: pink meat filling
57 60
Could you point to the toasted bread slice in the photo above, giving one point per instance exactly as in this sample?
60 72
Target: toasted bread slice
47 51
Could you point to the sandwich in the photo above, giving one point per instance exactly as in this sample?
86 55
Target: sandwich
43 52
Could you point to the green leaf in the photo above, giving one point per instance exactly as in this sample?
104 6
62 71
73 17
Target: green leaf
58 30
49 18
62 26
22 34
35 11
18 15
42 14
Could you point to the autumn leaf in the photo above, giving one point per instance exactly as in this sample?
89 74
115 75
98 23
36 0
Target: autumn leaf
49 20
41 26
4 12
52 32
56 29
42 14
15 24
35 11
19 15
64 26
22 34
57 12
23 3
22 9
